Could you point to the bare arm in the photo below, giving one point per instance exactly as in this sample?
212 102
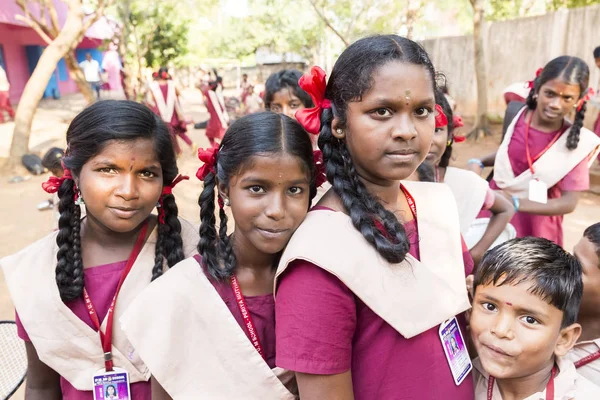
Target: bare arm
565 204
502 211
488 161
158 393
330 387
43 383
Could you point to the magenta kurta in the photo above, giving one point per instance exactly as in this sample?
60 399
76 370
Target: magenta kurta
323 328
101 283
577 180
214 128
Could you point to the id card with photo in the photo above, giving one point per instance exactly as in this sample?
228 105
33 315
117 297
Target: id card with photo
113 385
455 350
538 191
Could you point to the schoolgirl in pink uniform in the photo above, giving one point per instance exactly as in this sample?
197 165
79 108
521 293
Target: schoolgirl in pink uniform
378 264
543 162
120 165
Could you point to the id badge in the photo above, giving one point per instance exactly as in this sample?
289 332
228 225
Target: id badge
113 385
538 191
455 350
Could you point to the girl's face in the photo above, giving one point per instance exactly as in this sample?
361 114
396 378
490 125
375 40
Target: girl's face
110 390
269 199
285 102
555 100
122 184
586 252
389 132
438 146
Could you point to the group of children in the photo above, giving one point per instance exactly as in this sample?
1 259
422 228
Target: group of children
361 296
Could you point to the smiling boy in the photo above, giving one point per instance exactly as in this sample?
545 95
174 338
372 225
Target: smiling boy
527 296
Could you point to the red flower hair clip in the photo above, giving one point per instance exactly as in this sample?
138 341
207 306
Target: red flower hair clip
209 157
531 84
440 118
164 75
314 84
320 176
588 95
457 121
166 191
54 183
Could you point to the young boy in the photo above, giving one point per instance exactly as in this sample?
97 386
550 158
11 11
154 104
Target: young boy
586 353
523 323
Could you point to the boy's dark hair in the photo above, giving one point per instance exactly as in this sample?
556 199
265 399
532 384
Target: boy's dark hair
554 274
592 233
441 99
597 52
89 132
572 70
351 78
286 79
254 134
52 160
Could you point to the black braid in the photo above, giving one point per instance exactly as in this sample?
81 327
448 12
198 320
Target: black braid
364 210
169 244
207 246
69 266
573 138
531 101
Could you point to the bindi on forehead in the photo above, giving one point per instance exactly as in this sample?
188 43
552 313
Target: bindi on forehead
131 164
407 96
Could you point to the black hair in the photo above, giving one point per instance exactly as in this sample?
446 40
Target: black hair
426 172
554 274
572 70
592 233
440 99
258 133
87 135
351 78
286 79
597 52
52 160
164 70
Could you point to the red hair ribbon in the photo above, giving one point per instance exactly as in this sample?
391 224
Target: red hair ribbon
314 84
440 118
459 139
588 95
209 157
167 190
531 84
457 121
54 183
164 75
320 176
155 75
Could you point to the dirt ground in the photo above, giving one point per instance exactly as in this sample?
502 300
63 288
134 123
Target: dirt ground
22 223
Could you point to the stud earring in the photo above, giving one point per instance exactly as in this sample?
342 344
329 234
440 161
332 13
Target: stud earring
158 204
79 200
226 202
339 131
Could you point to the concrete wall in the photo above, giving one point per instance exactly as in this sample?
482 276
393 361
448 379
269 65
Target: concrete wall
514 51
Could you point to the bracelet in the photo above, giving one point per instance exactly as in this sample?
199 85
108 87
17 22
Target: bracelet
516 202
476 161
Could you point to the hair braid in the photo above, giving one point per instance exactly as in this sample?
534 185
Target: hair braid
573 138
69 266
207 246
169 244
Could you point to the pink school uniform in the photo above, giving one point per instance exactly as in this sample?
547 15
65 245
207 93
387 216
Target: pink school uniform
561 169
165 104
387 333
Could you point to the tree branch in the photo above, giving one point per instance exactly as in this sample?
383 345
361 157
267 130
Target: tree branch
33 25
53 15
326 21
95 16
31 20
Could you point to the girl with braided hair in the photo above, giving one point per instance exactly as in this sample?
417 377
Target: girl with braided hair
543 161
378 265
120 163
219 305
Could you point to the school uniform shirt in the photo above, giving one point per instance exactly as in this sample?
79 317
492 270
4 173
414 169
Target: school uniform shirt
590 371
577 180
568 384
323 328
91 70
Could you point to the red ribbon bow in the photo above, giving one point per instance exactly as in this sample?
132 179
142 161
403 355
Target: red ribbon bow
588 95
459 139
440 118
167 190
54 183
457 121
531 84
314 84
209 157
320 176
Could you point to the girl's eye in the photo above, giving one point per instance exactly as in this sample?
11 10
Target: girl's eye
275 108
549 94
295 190
294 105
382 112
530 320
148 174
256 189
489 306
423 112
438 130
108 170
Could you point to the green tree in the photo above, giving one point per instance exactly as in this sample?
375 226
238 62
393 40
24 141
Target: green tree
169 41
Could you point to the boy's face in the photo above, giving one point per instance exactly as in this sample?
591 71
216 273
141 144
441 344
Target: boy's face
516 333
585 252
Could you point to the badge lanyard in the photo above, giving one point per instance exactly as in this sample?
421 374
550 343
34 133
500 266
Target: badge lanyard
530 161
549 387
411 201
588 359
248 324
106 337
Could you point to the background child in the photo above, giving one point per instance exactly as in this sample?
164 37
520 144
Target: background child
121 164
523 323
351 322
586 353
283 94
264 171
52 161
542 148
